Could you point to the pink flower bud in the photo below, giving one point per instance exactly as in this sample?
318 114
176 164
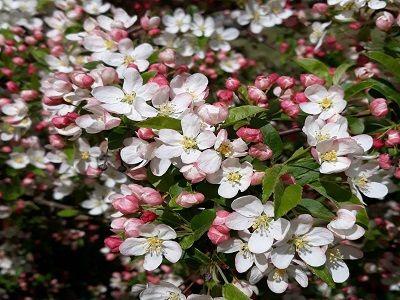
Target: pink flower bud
138 174
250 135
379 107
145 133
60 122
82 80
283 47
4 101
213 114
232 84
385 21
93 172
225 96
320 8
117 224
148 216
29 95
264 83
113 242
397 173
256 95
19 61
378 143
257 178
310 79
7 72
154 32
290 108
126 204
288 179
216 237
167 56
57 50
219 221
299 98
12 87
56 141
52 101
384 161
393 138
285 82
151 196
132 226
109 76
260 151
159 79
187 199
118 34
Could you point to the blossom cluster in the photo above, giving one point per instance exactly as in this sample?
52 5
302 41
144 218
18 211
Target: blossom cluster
165 125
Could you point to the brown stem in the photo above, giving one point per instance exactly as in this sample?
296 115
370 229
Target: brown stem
289 131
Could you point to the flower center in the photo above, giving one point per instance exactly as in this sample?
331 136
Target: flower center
244 249
188 143
326 103
166 109
85 155
334 256
278 274
109 44
234 177
299 243
329 156
173 296
19 159
128 59
129 98
361 181
225 149
322 137
154 245
262 221
8 128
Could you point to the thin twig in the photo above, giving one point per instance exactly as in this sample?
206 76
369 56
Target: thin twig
289 131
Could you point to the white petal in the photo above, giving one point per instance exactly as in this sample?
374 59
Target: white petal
339 271
152 261
260 241
282 256
280 228
375 190
172 251
319 236
243 262
237 221
248 206
276 283
133 246
314 256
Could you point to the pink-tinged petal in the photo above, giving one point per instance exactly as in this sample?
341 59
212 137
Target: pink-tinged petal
209 161
248 206
236 221
197 83
345 219
143 51
351 234
166 152
276 283
169 136
216 177
314 256
339 270
205 139
260 241
282 256
172 251
243 262
310 108
190 156
319 236
132 80
108 94
191 125
280 228
152 261
133 246
316 92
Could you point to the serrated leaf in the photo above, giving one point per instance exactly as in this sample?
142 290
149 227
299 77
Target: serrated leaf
271 178
242 112
304 170
315 67
289 200
161 122
317 209
340 71
389 62
202 222
272 139
323 273
231 292
356 125
68 213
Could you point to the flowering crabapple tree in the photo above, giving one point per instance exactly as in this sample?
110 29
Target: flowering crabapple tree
189 153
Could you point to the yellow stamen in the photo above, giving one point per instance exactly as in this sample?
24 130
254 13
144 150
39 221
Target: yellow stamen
329 156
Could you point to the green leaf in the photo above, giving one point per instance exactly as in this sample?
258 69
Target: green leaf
289 200
187 242
91 65
202 222
116 137
390 63
272 139
304 170
148 75
39 55
161 122
231 292
70 153
314 66
242 112
68 213
385 90
340 71
317 209
271 179
356 125
357 88
323 273
297 154
162 183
